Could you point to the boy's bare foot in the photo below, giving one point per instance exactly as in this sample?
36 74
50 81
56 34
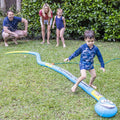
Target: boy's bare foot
73 89
93 86
6 45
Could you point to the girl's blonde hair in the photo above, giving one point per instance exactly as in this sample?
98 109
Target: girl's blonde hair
59 9
49 10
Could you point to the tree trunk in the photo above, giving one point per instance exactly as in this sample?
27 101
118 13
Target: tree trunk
18 5
10 5
3 6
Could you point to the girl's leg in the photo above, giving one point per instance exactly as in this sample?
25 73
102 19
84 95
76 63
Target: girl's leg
43 33
61 36
93 76
48 33
82 77
58 35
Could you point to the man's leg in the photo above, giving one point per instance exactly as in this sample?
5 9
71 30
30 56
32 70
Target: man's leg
20 34
5 36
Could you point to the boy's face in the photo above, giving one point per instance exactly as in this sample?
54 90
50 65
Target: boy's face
90 42
10 15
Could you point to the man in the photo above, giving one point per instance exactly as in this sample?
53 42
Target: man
10 28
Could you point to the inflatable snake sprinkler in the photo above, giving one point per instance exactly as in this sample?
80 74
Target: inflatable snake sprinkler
104 108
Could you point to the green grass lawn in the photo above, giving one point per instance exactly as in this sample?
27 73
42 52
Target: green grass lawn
29 91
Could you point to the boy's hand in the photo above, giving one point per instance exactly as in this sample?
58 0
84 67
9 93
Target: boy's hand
67 59
103 69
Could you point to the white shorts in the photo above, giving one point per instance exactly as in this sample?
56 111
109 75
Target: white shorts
45 21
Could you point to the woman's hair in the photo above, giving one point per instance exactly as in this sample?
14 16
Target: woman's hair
49 10
89 34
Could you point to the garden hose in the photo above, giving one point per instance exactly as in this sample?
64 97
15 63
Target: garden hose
78 63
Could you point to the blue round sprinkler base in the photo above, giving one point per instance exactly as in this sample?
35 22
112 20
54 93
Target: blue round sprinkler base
105 108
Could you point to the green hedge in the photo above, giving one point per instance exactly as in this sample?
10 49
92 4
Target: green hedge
1 27
102 16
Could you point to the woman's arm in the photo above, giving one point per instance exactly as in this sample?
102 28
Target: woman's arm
54 22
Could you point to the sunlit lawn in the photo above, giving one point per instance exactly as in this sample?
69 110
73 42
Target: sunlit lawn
30 91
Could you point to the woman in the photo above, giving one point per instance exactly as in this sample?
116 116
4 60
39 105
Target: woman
45 18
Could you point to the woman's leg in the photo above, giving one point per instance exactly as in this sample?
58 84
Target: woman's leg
42 30
48 33
43 33
49 30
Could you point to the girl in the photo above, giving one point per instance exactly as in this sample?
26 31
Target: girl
60 24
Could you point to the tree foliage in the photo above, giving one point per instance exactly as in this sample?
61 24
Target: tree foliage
102 16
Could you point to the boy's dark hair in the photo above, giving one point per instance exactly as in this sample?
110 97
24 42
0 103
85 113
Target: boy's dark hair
89 34
9 11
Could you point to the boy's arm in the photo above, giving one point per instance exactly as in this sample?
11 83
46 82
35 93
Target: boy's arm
100 58
76 53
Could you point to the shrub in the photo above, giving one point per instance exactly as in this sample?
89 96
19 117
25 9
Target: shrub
102 16
1 27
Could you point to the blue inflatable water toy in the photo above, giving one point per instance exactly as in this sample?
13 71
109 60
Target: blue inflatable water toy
104 108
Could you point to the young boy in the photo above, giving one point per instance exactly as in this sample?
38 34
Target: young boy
88 52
